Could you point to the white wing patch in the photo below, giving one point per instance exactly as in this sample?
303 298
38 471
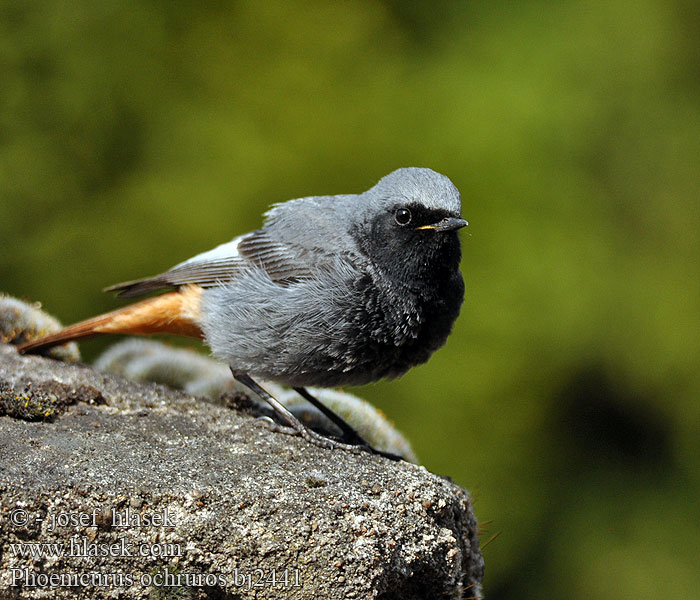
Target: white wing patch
223 264
226 252
206 269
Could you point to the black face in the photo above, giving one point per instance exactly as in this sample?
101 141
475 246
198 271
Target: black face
399 243
415 215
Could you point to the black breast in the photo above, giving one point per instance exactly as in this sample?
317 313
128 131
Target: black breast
402 322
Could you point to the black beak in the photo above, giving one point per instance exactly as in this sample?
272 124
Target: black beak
446 224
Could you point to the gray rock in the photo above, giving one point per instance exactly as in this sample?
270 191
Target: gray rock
217 505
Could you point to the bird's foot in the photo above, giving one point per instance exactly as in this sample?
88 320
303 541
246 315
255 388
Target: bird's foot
296 427
356 445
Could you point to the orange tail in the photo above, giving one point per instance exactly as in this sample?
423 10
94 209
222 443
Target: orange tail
174 312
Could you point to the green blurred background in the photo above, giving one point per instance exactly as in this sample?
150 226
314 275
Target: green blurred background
134 135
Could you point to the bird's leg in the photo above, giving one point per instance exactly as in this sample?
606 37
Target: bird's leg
310 436
350 436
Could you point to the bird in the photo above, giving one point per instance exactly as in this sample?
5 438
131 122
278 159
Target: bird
331 291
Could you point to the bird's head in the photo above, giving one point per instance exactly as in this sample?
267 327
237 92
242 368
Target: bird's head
407 224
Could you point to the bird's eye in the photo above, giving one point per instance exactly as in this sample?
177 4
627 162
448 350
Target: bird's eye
402 216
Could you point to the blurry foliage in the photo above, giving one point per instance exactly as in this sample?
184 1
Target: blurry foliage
135 135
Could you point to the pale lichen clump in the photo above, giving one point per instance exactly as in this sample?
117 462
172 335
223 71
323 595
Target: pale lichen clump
23 322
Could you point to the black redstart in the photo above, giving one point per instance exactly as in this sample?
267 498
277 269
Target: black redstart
331 291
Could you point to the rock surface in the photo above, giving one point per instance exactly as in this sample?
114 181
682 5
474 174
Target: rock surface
174 497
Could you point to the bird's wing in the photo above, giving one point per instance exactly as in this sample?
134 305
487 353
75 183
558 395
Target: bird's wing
224 263
282 262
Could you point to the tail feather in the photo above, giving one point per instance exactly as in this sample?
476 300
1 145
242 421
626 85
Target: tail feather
139 287
175 312
74 332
